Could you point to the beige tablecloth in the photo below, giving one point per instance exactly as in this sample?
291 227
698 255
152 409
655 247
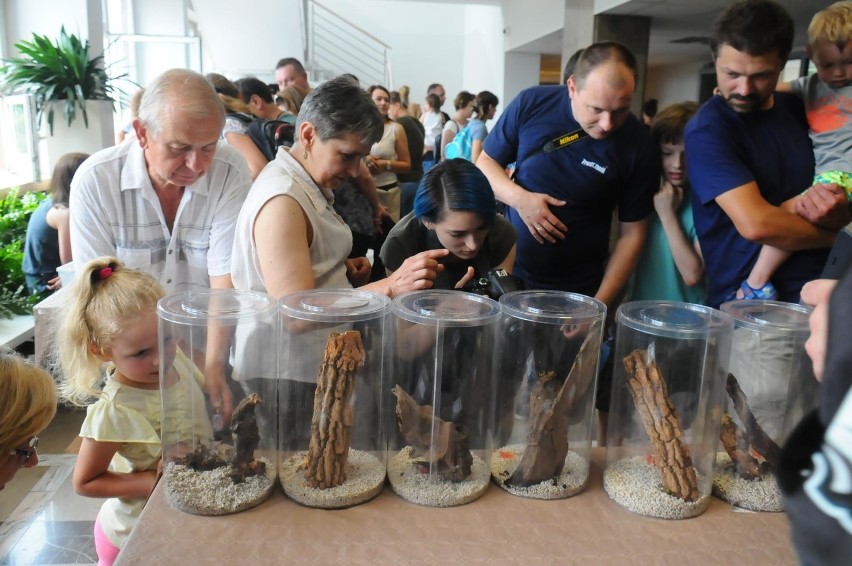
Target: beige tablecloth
498 528
47 315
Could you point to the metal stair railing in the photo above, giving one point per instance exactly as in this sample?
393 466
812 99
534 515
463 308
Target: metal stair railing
336 46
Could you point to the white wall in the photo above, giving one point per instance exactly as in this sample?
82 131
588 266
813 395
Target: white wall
523 70
483 52
158 17
232 28
22 20
457 45
529 20
675 83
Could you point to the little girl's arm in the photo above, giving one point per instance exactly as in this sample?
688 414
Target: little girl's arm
92 477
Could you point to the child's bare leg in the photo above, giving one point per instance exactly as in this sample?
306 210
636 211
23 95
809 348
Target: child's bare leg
768 262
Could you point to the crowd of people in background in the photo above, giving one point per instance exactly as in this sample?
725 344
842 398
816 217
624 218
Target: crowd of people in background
740 197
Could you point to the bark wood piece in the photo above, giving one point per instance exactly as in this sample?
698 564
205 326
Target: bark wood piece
202 459
756 437
662 425
331 424
736 446
448 450
550 404
246 438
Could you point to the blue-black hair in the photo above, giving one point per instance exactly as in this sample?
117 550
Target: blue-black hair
454 184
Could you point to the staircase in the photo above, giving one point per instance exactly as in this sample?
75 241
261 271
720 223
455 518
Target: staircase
335 46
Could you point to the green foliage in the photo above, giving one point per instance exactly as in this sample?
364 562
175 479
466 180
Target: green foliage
15 212
58 71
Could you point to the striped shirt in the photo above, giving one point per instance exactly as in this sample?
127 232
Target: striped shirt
115 211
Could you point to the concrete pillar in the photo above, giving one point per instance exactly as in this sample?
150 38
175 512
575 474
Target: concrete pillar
579 27
633 32
583 27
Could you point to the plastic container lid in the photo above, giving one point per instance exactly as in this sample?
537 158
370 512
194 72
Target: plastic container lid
773 317
554 307
334 305
673 319
447 308
198 306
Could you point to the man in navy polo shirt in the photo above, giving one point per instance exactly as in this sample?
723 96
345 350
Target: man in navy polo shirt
748 152
599 158
579 155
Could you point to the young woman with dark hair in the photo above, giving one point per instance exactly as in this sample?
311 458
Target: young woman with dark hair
454 209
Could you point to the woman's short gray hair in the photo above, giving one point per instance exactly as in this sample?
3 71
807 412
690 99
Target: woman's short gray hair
337 108
185 90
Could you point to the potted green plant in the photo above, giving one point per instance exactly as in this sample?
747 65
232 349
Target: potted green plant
58 71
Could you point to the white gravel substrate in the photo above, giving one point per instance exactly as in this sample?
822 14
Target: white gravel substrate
637 486
213 492
572 480
365 478
756 495
414 486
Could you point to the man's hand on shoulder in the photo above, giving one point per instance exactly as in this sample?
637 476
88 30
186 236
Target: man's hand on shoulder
825 205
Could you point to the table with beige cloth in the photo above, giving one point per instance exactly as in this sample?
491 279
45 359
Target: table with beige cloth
498 528
47 315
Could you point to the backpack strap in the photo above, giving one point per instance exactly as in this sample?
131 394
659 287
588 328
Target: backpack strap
242 117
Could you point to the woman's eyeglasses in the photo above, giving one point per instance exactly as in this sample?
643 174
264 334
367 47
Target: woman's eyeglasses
26 453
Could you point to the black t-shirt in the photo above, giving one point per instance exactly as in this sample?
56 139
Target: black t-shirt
415 134
410 237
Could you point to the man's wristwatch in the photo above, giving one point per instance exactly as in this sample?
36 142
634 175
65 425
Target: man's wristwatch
388 165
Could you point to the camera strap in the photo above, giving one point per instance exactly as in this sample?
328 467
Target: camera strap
553 146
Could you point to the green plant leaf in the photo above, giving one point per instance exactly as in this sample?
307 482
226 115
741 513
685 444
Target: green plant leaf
15 212
58 70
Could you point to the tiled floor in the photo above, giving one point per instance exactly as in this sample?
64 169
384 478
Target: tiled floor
42 520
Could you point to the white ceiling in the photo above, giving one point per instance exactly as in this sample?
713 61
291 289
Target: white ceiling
677 19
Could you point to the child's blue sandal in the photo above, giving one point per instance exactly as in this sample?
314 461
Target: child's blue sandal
765 293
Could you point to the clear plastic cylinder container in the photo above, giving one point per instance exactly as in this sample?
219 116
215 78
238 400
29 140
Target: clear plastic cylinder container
442 396
219 451
548 366
332 373
770 387
668 380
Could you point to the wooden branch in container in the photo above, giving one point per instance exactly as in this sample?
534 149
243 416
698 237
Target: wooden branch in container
736 446
756 437
331 424
246 438
662 425
550 403
448 449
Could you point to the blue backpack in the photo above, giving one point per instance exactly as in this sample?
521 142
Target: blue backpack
461 146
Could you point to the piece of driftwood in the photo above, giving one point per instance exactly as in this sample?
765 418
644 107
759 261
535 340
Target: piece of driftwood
550 403
756 437
331 424
447 452
735 444
202 459
662 425
246 437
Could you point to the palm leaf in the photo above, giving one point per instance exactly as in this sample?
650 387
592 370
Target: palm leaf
59 70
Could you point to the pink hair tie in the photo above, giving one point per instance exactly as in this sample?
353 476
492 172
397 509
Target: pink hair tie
104 273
